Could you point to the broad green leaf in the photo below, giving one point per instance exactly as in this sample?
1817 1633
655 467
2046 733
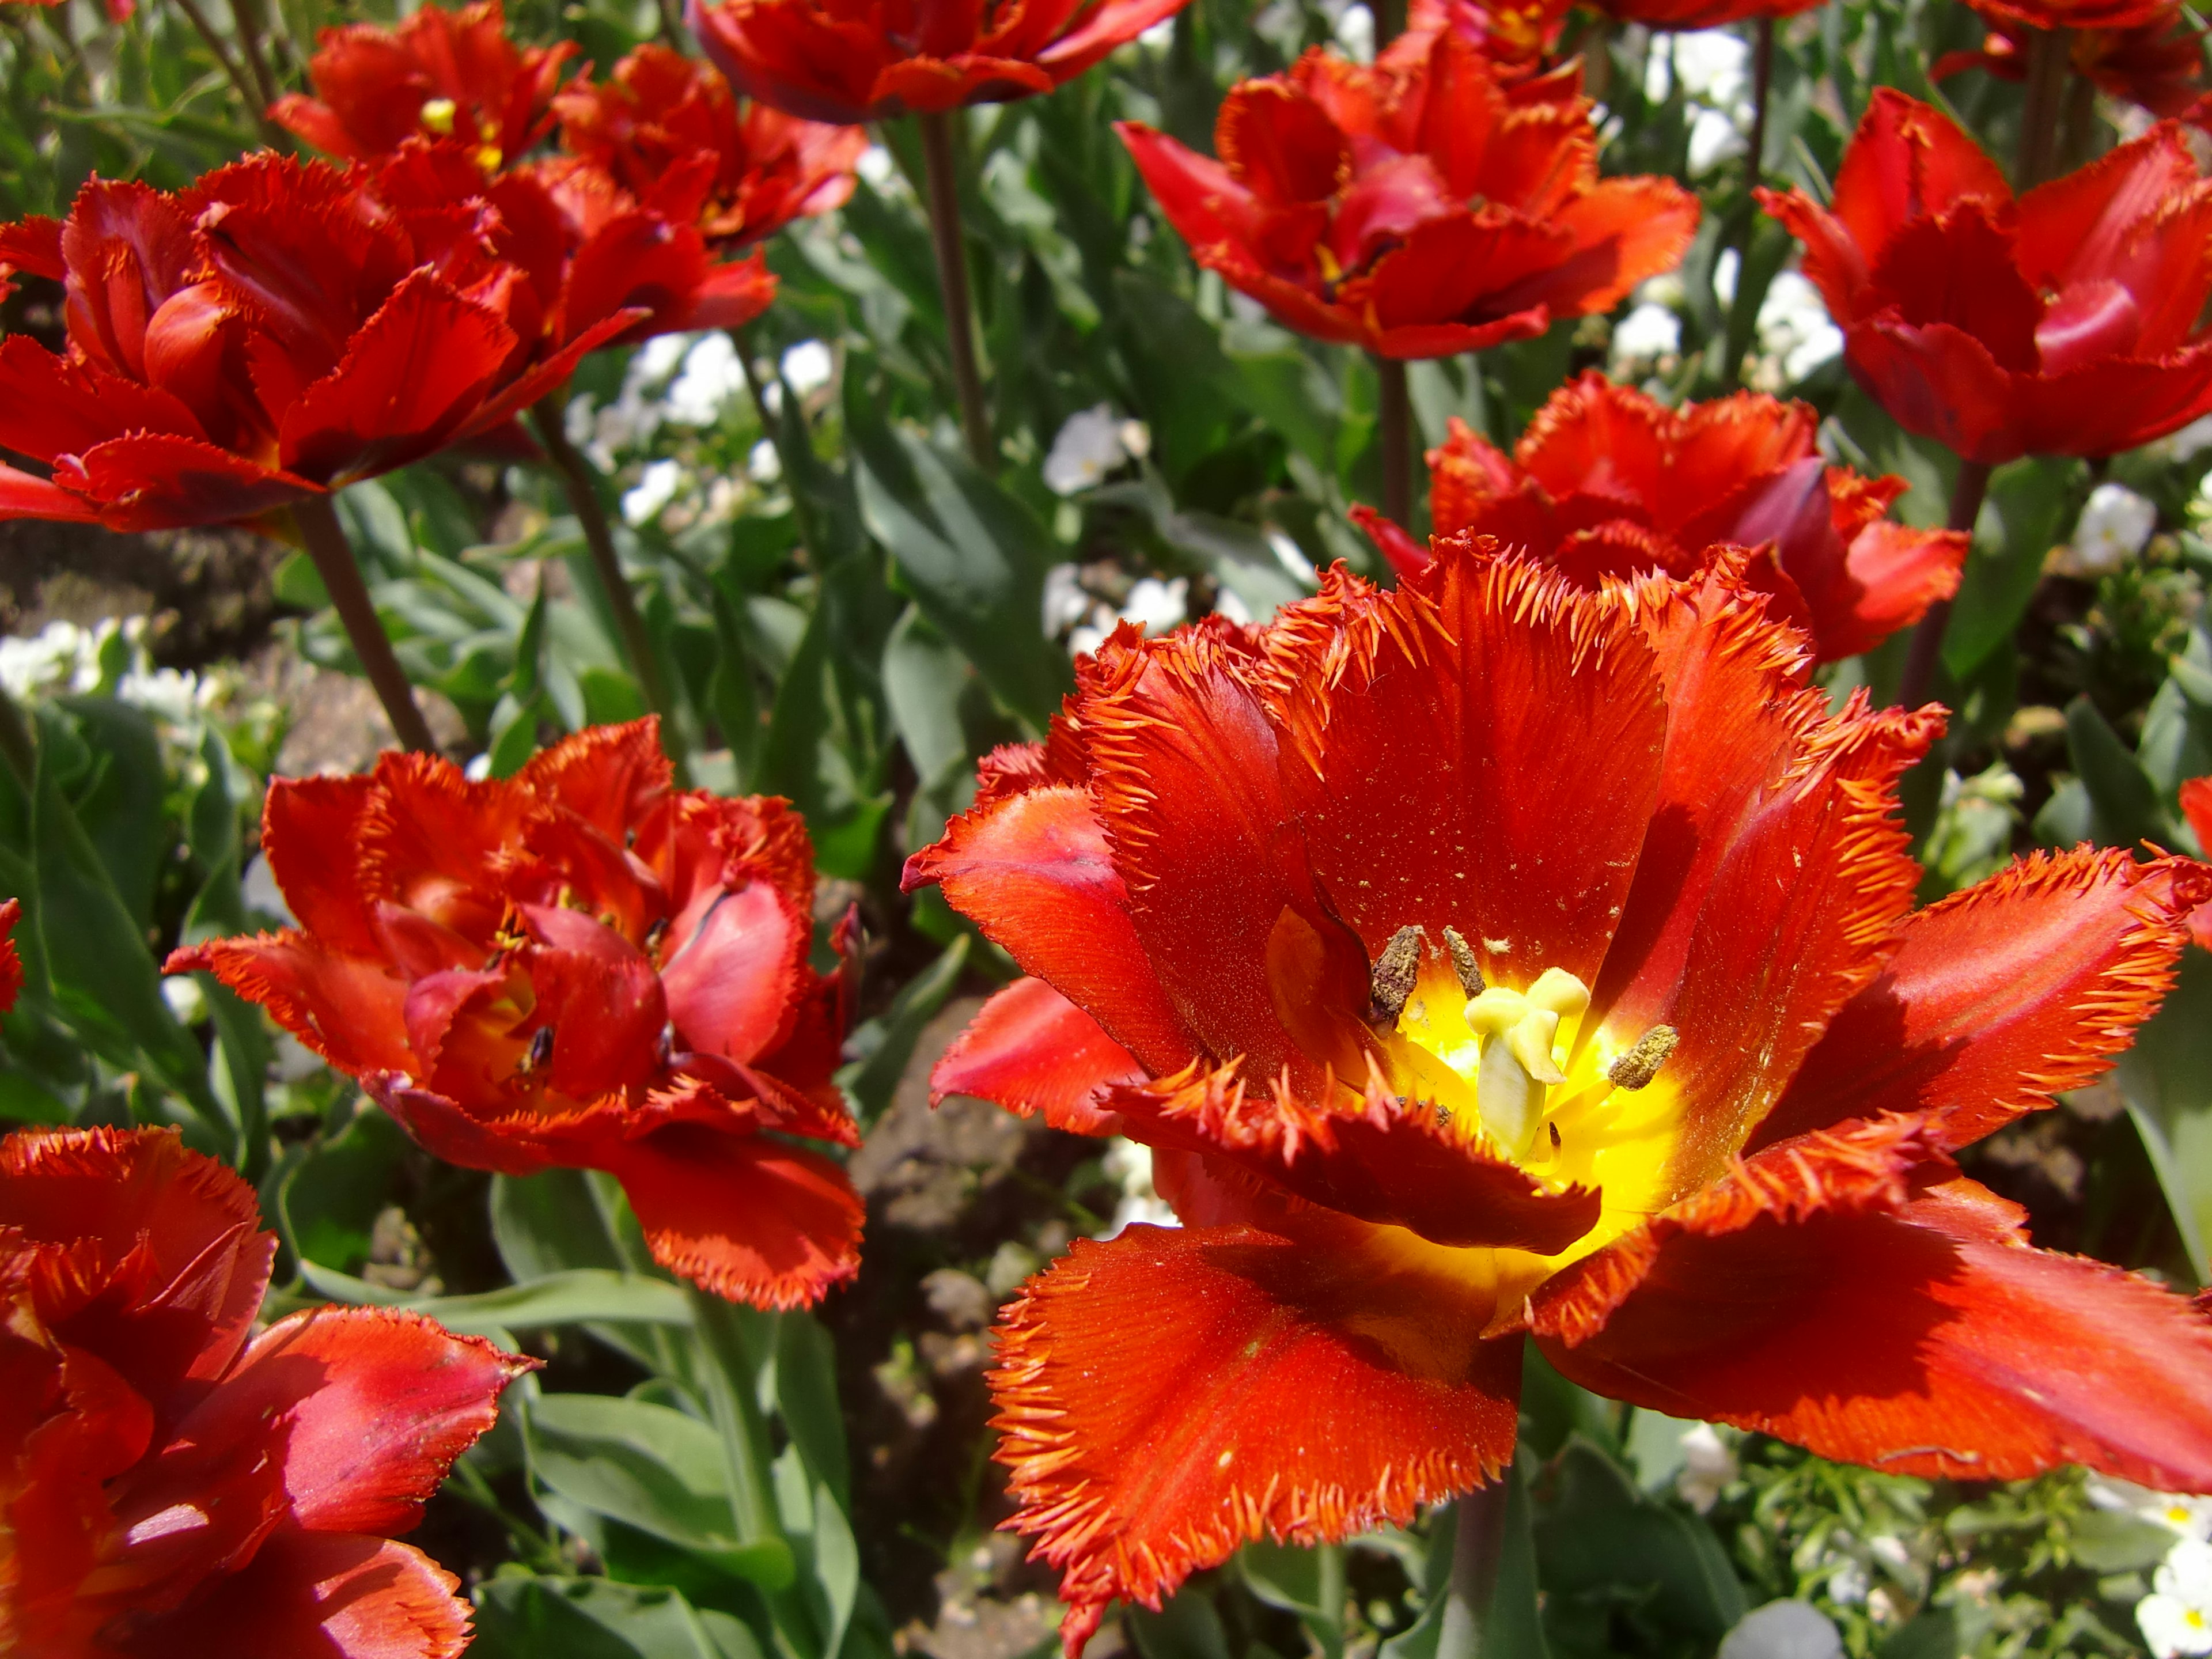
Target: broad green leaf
580 1296
520 1616
2125 807
1600 1540
2166 1077
886 1043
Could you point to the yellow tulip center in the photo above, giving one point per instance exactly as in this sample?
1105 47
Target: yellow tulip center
438 116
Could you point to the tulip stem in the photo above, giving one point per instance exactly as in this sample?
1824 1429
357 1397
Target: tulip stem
16 746
1395 423
2047 60
1927 648
256 105
773 428
581 488
1762 84
1478 1551
945 233
318 524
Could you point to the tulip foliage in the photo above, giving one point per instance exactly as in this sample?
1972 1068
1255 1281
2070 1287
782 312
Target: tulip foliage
1217 830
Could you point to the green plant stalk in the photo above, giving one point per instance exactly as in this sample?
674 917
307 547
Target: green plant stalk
772 424
1762 87
1927 650
2048 58
1478 1550
581 489
317 523
248 94
1394 419
943 182
16 746
253 25
1329 1559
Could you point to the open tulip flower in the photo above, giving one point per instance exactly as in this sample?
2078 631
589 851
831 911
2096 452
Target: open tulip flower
870 60
440 74
1607 482
577 966
1417 207
11 964
1667 14
176 1486
662 117
2065 323
2159 65
1514 40
272 333
2196 806
1491 959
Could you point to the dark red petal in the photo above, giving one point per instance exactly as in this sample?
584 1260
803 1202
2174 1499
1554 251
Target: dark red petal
1939 382
2001 996
1278 144
51 406
11 964
1931 1342
25 497
349 1010
1907 160
311 836
607 776
745 1216
1889 577
1388 1161
157 481
1959 270
331 1595
733 976
1429 773
2114 405
1037 875
365 1407
514 1146
1167 1397
2078 226
1104 27
927 85
1031 1050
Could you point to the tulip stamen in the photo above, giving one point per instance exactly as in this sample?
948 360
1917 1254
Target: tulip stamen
653 937
437 116
1463 962
1640 1062
1395 974
539 1054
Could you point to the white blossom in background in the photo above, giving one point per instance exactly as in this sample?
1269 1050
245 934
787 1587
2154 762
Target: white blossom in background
605 430
655 488
1092 443
110 658
1066 604
1154 605
2186 1516
1783 1630
1292 558
808 366
1226 604
764 466
1708 1466
1847 1584
2176 1617
1796 335
1159 37
2184 445
60 659
1642 339
2115 526
712 375
1355 33
1128 1164
1713 68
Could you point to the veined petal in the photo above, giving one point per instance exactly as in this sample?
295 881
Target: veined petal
339 1594
1173 1394
745 1216
159 481
349 1010
2001 996
1031 1050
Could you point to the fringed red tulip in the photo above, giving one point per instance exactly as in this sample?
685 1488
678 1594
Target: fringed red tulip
581 967
1515 40
1700 14
665 124
2066 323
2196 806
11 964
1418 208
439 75
173 1485
2159 65
272 333
831 60
1494 958
1609 482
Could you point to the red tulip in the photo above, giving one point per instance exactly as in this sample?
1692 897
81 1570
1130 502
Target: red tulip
2159 65
869 60
577 967
1417 208
2077 14
11 965
668 123
2064 324
1608 482
1493 958
2196 805
173 1485
274 332
1700 14
440 74
1514 40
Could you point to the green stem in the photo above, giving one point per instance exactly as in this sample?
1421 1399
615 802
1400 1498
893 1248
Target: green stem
582 489
16 746
1329 1559
726 1374
248 94
317 523
1395 428
943 182
1478 1549
2047 60
1762 85
1927 650
783 430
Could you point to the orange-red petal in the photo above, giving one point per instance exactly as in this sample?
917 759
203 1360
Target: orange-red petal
1032 1051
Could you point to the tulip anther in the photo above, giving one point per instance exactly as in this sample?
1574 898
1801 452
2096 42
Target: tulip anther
1395 972
1463 962
540 1054
1637 1066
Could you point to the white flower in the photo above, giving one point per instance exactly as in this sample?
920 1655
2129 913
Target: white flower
1648 333
2186 1572
2185 445
1066 604
653 490
1090 445
1782 1630
1847 1584
2114 526
808 366
1708 1466
1289 554
763 464
876 166
1128 1164
1155 606
1794 329
1159 37
712 375
1355 33
1226 604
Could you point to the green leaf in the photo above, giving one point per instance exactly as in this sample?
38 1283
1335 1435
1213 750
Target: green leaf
520 1616
649 1468
973 557
2167 1080
1600 1540
329 1200
2125 807
1514 1626
580 1296
731 696
2025 505
886 1043
122 810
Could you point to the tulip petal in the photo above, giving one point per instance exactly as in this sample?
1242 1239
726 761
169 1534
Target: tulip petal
159 481
2001 996
1032 1051
2106 407
311 832
1106 25
24 496
1907 160
1890 574
731 977
339 1594
1931 1341
745 1216
365 1407
1428 779
1171 1395
349 1010
1941 382
928 85
2077 228
1036 873
52 405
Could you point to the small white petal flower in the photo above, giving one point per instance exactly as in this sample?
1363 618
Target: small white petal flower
655 488
1708 1466
1783 1630
2172 1627
2115 526
1065 601
808 366
1647 333
1089 446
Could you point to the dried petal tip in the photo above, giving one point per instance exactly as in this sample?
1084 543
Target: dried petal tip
1636 1068
1463 962
1395 972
